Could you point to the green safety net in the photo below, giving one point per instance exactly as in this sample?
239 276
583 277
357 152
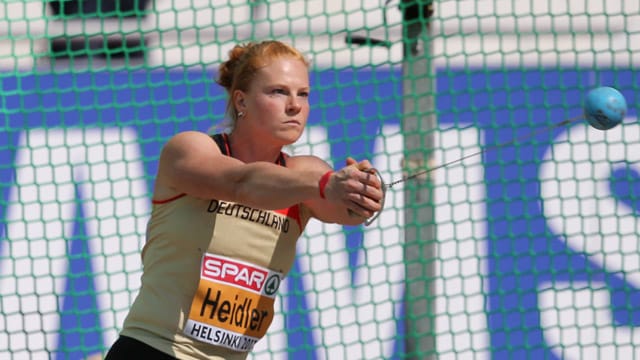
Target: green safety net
520 242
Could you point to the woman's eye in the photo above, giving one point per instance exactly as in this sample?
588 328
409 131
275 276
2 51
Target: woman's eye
304 94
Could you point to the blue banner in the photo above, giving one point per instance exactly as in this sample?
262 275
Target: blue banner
560 209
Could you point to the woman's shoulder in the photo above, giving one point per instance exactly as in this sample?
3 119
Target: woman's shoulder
190 135
188 140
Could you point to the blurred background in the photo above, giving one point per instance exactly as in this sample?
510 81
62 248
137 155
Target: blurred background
529 250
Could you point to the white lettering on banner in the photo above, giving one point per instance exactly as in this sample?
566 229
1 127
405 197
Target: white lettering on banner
578 203
105 166
461 255
577 322
346 319
581 210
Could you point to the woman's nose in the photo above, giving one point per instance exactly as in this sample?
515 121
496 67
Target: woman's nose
293 105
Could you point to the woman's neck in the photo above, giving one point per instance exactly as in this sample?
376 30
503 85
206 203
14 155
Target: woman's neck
246 149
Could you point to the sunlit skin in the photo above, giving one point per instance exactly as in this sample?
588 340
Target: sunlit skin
268 105
276 109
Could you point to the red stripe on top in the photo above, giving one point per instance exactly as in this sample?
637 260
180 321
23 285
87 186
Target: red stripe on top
168 200
292 212
226 144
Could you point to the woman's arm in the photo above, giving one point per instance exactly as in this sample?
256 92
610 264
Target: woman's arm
191 163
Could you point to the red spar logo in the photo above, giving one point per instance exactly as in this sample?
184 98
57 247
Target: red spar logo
224 270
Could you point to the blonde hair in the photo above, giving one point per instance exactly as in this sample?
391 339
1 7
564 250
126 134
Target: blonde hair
244 61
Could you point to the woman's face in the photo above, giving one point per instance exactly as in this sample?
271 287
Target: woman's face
276 105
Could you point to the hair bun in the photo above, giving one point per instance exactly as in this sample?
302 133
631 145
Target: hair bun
226 71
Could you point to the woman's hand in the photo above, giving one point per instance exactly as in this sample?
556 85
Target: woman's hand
356 187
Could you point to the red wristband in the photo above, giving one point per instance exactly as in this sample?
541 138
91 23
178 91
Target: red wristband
322 183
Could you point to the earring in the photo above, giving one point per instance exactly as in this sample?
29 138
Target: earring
240 114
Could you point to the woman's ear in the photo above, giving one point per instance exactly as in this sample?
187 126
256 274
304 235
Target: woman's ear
238 100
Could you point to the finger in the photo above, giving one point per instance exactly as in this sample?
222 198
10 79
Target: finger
364 165
366 184
364 211
363 202
373 193
371 190
357 211
359 185
351 161
369 178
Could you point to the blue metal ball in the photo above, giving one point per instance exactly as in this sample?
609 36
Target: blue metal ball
604 108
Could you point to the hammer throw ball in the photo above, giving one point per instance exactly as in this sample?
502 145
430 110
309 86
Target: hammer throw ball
604 108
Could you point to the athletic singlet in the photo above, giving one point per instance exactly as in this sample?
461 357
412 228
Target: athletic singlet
211 272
